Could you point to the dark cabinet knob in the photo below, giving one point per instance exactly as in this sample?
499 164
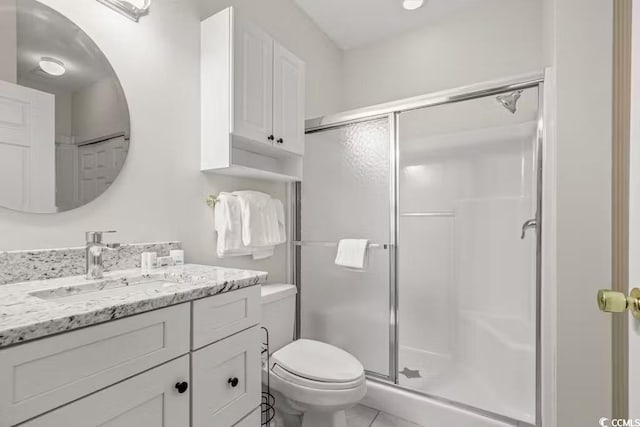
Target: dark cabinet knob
270 137
182 386
233 382
280 141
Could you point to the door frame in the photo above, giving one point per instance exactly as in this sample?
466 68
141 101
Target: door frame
620 154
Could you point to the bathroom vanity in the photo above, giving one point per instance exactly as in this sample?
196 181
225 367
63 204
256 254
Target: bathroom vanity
177 347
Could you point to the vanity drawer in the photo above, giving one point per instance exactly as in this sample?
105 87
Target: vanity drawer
226 382
220 316
45 374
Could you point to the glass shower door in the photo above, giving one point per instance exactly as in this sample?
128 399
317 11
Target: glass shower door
466 275
346 194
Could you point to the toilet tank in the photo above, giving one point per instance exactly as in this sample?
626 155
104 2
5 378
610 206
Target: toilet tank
278 303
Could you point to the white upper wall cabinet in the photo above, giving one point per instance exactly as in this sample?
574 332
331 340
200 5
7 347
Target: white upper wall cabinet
288 99
253 83
253 97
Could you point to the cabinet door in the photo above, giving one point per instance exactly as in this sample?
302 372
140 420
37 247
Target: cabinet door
288 100
251 420
253 83
149 399
226 379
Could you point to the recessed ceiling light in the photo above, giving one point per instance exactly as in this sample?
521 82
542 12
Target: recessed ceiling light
52 66
412 4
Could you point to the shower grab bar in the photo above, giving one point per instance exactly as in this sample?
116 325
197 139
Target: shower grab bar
335 244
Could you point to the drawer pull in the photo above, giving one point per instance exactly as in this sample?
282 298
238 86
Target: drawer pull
182 386
233 382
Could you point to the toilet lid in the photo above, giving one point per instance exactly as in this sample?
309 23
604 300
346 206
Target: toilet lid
318 361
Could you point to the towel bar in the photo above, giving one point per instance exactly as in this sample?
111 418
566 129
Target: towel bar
335 244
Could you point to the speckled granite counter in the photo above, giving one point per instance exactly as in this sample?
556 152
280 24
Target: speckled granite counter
39 308
41 264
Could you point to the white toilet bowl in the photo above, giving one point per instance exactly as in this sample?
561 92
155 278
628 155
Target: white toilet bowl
313 382
316 382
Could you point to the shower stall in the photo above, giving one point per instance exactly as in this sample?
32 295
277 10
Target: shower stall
447 189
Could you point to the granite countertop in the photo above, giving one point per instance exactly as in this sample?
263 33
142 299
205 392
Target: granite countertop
39 308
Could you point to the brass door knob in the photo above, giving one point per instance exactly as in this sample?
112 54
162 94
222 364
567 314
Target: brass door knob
617 302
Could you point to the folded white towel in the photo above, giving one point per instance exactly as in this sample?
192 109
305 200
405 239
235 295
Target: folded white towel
352 253
228 225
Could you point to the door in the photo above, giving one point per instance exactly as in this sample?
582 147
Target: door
99 164
288 100
149 399
226 379
346 193
27 149
252 83
466 263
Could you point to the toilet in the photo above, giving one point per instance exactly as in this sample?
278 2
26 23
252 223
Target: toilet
313 382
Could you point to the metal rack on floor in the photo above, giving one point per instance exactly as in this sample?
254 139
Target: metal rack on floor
268 400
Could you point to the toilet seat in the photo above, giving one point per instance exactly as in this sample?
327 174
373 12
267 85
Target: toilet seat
317 363
292 378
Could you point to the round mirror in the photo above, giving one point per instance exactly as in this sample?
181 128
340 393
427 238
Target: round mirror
64 119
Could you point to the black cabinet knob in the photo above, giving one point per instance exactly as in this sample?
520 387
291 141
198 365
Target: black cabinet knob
280 141
270 137
233 382
182 386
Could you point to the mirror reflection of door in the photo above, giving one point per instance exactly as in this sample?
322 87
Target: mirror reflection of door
64 120
26 148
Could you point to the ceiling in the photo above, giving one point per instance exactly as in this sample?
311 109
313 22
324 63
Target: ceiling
41 31
355 23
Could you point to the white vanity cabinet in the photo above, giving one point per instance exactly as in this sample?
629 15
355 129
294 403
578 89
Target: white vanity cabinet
197 363
253 96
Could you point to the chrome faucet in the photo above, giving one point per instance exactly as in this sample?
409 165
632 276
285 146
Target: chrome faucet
93 253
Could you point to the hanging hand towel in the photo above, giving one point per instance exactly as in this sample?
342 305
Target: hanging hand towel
352 253
228 225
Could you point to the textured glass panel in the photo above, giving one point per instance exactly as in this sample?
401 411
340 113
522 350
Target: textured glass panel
345 194
466 279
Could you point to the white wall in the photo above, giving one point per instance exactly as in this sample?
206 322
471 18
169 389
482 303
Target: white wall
579 47
8 41
98 111
63 116
288 24
489 40
160 193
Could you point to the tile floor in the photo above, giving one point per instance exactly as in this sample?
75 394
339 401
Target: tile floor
363 416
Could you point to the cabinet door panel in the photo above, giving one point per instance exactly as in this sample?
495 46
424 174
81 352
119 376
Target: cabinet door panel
253 82
149 399
288 99
226 379
251 420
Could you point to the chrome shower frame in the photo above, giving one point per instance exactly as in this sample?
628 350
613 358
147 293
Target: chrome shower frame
391 112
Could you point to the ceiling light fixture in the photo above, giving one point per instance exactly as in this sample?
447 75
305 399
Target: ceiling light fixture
412 4
128 9
51 66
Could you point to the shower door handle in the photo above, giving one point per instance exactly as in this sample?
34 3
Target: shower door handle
532 223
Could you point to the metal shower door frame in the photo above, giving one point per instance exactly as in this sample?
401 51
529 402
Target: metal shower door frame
391 112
